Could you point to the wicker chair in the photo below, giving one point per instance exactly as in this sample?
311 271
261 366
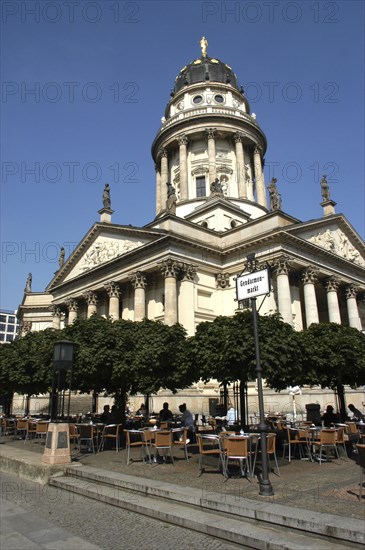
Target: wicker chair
209 446
326 441
137 439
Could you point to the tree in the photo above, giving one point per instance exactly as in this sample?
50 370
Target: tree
26 363
335 357
224 349
160 358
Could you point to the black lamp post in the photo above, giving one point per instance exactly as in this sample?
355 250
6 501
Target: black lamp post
62 363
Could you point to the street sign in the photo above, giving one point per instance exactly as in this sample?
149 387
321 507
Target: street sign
252 284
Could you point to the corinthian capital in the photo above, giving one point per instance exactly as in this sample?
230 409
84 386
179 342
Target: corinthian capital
210 133
170 268
332 284
309 275
91 298
187 272
138 280
162 152
257 150
72 305
238 137
182 140
112 289
351 291
282 265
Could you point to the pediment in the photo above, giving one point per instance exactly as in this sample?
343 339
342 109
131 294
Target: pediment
337 238
100 246
219 214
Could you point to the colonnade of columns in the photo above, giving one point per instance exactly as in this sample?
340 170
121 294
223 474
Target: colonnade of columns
179 300
162 168
308 278
171 270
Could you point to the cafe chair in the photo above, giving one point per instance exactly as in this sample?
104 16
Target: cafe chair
182 441
41 430
137 439
292 441
340 440
110 432
235 448
163 442
21 427
87 436
209 446
360 461
327 441
74 436
31 430
271 451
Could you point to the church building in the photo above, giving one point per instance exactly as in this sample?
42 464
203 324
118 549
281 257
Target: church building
213 209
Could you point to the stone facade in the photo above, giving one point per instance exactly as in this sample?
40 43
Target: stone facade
181 266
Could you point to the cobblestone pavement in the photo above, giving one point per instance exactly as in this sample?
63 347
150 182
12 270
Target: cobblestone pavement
106 527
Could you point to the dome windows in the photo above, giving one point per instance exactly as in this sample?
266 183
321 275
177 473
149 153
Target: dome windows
197 99
219 98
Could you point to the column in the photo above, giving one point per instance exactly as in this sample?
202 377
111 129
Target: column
309 278
240 166
164 177
72 307
352 310
56 317
259 176
210 134
169 270
283 287
182 141
158 189
186 302
113 292
91 300
331 286
139 283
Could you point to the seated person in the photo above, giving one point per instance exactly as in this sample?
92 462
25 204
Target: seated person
329 417
142 411
357 415
231 417
165 414
187 421
106 417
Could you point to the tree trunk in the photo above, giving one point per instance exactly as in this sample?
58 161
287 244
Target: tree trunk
341 401
243 408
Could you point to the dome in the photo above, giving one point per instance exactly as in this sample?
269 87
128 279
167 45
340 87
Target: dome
205 69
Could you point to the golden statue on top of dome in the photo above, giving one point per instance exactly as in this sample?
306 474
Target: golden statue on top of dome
204 45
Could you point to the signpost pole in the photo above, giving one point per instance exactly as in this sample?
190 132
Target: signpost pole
257 283
265 484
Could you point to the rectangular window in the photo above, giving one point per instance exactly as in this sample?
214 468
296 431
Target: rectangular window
3 327
201 190
2 318
9 337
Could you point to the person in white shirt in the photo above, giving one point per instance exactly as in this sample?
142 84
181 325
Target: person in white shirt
231 417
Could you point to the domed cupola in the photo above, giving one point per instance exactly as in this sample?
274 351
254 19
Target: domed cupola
205 69
209 140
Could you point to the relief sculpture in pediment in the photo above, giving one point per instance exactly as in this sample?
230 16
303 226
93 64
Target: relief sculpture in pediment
337 242
104 251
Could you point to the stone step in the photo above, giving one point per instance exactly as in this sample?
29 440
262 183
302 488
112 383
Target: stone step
249 523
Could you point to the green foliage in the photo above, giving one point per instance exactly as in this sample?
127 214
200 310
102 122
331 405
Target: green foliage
26 363
336 356
225 349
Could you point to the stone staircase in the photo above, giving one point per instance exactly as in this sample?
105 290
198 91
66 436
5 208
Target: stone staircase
252 524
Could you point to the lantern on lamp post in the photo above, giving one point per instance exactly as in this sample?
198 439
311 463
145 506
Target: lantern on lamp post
63 354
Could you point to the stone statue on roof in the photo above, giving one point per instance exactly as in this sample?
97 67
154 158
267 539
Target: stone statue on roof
61 258
325 188
216 187
204 45
171 199
106 197
28 283
275 197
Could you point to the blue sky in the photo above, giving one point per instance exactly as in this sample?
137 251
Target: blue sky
101 74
